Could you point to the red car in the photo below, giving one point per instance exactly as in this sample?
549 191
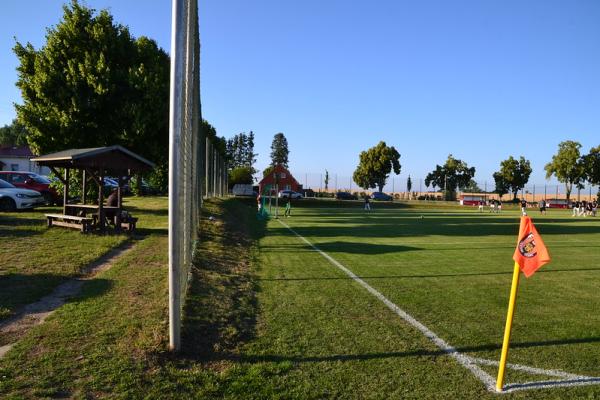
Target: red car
33 181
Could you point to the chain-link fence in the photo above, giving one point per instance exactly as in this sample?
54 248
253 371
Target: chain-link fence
329 183
195 167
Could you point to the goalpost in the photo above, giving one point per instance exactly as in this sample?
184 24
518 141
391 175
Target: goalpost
195 166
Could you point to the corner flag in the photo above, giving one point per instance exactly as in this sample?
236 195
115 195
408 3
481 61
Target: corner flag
529 256
531 253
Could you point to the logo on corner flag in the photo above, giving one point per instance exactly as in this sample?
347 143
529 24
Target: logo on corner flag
531 253
527 246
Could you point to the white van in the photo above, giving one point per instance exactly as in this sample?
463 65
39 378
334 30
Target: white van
241 189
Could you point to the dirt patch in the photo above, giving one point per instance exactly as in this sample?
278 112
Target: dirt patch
34 314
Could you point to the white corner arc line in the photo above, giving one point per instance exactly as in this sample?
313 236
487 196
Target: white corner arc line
468 362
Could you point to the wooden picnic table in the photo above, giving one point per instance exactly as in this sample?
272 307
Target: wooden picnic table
112 213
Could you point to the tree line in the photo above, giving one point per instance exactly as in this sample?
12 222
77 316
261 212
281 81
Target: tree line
568 166
93 84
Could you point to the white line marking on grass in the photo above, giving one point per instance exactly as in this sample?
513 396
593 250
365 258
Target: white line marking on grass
531 370
466 361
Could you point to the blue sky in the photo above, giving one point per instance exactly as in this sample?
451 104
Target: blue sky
479 79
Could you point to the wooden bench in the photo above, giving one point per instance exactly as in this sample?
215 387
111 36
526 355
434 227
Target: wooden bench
70 221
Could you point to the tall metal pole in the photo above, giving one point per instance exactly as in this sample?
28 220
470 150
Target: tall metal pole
179 11
214 172
206 167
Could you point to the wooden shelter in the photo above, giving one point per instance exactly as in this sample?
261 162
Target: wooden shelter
95 164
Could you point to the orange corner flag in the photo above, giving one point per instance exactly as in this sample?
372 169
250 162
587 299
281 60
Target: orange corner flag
531 253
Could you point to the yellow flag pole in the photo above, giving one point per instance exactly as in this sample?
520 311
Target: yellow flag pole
508 327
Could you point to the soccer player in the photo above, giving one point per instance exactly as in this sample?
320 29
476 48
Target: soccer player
523 207
543 207
288 207
367 203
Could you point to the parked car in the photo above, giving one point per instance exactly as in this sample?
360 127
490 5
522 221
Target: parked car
380 196
345 196
284 194
32 181
114 183
14 198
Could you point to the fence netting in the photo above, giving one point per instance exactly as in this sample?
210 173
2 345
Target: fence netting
196 169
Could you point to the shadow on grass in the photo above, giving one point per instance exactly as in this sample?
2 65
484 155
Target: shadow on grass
16 227
221 309
18 290
398 227
136 211
541 271
402 354
344 247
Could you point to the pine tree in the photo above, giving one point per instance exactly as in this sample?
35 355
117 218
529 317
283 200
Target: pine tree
279 150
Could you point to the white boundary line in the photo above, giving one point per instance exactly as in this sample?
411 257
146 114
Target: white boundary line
466 361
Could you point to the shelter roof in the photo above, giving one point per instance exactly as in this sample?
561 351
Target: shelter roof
111 158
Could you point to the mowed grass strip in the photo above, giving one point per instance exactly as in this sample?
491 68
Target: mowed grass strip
111 342
452 270
35 259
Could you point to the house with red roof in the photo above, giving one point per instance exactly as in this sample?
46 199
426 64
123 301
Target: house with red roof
285 179
16 158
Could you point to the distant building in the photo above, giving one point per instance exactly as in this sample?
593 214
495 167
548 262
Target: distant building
16 158
286 180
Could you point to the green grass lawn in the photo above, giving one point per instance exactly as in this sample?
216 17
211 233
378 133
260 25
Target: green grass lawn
451 270
268 317
36 259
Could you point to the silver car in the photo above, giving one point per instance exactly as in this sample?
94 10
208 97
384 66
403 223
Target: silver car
13 198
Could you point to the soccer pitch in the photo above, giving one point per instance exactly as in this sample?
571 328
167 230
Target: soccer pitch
330 278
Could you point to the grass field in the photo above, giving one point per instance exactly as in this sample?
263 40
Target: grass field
451 270
269 317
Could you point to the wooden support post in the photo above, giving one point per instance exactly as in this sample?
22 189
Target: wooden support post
101 221
83 187
66 191
117 216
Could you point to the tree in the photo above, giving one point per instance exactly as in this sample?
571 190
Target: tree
453 174
219 143
513 175
471 187
326 180
14 134
567 166
268 171
592 166
408 184
502 187
375 166
240 151
240 175
279 150
92 84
